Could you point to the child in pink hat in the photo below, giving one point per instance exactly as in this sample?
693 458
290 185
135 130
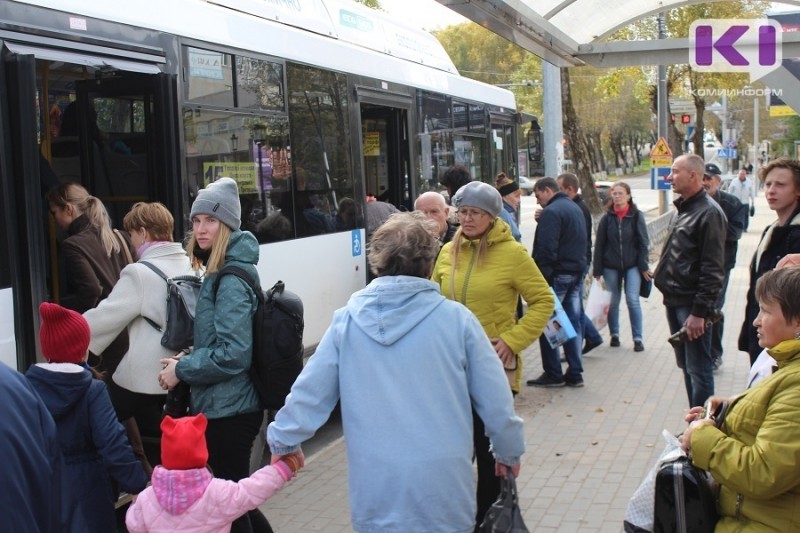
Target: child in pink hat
185 496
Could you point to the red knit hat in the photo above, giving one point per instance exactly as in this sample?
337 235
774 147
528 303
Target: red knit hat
64 334
183 442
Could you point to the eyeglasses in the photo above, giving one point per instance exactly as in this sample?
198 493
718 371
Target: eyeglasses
471 213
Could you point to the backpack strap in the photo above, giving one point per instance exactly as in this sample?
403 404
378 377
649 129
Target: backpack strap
239 273
166 280
155 269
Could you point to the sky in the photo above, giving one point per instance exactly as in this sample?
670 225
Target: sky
428 14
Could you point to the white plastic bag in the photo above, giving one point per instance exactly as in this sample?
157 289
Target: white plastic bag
639 516
597 304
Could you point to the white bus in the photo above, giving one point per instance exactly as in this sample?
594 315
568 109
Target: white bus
310 105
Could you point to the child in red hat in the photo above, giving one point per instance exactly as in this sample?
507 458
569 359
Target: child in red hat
185 496
92 441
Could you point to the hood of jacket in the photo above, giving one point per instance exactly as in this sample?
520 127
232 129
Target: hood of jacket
391 306
177 490
243 247
61 385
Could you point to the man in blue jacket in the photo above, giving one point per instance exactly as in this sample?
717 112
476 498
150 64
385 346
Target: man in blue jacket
30 478
559 249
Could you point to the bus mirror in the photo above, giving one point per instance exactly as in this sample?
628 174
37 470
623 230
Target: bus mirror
535 142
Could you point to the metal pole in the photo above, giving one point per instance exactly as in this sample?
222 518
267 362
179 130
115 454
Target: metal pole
725 135
553 122
663 106
755 135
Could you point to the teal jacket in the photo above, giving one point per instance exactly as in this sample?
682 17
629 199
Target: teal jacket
217 369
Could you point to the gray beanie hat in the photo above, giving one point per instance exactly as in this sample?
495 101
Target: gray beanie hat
480 195
221 201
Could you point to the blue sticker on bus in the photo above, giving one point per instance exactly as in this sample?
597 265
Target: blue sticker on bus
356 235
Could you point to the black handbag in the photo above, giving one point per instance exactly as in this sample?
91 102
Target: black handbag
504 515
646 287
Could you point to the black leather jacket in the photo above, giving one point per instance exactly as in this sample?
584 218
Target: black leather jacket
691 270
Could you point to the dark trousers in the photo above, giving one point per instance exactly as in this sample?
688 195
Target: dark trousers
488 482
230 440
145 409
718 328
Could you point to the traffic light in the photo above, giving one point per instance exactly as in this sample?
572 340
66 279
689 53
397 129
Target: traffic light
686 119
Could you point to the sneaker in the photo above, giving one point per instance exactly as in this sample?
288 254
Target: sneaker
591 345
574 382
614 341
638 346
545 381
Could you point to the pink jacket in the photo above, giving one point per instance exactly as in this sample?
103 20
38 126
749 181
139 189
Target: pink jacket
195 501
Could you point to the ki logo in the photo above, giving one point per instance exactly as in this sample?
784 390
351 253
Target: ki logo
735 45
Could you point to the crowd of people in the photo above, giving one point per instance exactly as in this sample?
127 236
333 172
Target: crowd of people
434 340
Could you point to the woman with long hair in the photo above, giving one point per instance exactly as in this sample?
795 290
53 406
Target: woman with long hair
781 179
217 367
620 258
136 305
486 270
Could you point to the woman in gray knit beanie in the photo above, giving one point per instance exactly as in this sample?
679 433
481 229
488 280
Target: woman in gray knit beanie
217 367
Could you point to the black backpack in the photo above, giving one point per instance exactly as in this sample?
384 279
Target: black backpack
182 291
277 338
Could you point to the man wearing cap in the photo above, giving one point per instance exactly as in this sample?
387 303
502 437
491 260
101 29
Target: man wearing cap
690 273
743 189
736 213
559 249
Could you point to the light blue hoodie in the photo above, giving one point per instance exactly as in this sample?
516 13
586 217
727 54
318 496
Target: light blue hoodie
407 365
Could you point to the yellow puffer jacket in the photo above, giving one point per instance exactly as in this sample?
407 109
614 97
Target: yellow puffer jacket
490 288
756 456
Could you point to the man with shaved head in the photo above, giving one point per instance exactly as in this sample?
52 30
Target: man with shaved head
690 273
434 207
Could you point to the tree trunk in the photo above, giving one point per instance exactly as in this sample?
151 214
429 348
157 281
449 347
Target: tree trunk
580 156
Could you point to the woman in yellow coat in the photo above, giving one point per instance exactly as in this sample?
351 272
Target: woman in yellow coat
485 269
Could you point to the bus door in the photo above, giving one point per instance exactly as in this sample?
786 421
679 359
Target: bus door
503 144
22 261
385 150
67 117
125 147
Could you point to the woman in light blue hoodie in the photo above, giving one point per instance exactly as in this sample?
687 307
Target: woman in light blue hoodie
408 366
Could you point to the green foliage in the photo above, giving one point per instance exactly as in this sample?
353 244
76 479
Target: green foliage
373 4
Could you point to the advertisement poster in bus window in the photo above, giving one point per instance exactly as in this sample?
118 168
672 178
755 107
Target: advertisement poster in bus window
244 174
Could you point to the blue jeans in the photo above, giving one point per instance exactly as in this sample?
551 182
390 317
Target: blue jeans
568 288
694 358
633 281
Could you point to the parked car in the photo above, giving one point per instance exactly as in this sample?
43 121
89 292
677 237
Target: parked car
603 188
525 185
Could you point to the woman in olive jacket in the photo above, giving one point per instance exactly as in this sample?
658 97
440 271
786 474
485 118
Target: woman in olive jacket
754 454
620 255
485 269
217 367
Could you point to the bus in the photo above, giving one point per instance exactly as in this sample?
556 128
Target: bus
310 105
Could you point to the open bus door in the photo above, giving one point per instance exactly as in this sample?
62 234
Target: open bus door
386 155
23 263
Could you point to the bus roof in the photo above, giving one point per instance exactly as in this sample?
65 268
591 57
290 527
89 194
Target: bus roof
337 34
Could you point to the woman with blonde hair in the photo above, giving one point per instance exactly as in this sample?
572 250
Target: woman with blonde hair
94 255
217 369
137 305
487 271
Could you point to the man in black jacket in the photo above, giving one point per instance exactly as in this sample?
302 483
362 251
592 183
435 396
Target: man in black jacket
736 213
559 249
569 185
691 272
